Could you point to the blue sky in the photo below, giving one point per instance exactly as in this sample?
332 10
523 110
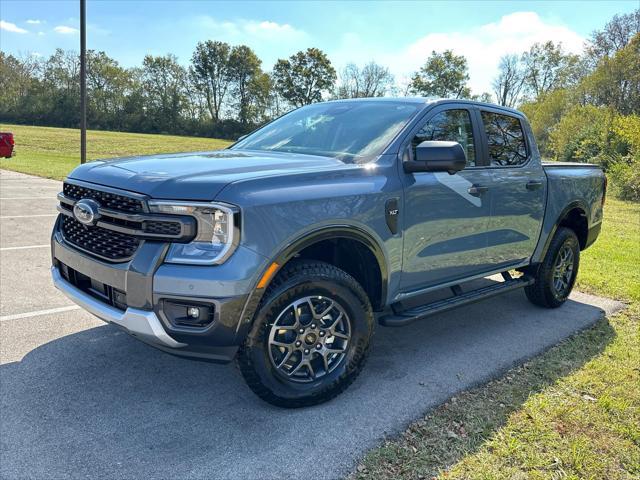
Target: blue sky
400 34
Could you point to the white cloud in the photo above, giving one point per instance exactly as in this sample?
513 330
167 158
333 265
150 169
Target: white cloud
270 40
65 30
251 30
35 22
482 46
11 27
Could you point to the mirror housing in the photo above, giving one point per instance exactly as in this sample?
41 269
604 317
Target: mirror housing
437 156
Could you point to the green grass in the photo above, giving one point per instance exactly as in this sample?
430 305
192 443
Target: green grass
54 152
571 413
611 267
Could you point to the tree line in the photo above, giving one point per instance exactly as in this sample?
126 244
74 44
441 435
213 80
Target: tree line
581 106
223 92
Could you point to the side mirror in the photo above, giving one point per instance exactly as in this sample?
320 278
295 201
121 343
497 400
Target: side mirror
436 156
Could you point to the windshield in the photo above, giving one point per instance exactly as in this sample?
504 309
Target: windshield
354 132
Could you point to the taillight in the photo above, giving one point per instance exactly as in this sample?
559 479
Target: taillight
604 189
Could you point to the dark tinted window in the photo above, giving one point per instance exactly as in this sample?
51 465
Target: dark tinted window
452 126
505 139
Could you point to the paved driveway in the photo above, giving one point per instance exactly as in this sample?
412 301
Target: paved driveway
82 399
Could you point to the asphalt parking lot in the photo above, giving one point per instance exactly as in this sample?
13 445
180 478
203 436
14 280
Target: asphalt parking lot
79 398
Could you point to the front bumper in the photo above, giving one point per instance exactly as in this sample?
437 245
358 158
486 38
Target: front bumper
140 323
148 282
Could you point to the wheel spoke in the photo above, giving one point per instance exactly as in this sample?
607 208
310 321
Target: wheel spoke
334 322
340 335
312 372
325 360
286 327
330 350
286 357
297 369
326 311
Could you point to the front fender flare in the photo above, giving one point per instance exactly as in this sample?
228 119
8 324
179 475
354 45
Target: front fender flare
304 240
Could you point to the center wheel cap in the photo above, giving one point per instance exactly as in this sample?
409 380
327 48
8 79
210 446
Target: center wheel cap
310 339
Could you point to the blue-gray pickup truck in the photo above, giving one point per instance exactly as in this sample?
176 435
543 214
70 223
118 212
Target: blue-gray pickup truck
286 249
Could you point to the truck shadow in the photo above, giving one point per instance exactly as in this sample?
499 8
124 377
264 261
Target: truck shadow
101 404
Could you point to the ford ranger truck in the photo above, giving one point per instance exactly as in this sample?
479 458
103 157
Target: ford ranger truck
285 250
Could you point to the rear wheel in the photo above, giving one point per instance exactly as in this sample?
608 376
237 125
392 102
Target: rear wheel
556 275
310 337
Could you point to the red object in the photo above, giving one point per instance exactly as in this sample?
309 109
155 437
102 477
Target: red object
6 144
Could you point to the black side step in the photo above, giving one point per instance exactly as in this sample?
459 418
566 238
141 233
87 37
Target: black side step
457 300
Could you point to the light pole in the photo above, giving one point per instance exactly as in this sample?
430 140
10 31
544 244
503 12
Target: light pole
83 81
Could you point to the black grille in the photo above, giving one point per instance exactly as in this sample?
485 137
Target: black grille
106 199
99 241
162 228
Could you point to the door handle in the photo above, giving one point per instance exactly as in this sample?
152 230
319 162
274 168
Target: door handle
477 190
534 185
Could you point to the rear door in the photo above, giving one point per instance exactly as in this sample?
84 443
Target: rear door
446 217
518 188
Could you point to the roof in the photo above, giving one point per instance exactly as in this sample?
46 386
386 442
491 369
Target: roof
427 101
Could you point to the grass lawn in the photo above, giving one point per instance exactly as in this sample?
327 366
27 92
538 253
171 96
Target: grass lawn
54 152
571 413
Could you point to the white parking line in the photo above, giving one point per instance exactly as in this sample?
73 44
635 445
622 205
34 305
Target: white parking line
24 248
38 312
52 197
30 216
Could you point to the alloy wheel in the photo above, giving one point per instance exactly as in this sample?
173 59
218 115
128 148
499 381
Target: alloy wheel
563 271
309 339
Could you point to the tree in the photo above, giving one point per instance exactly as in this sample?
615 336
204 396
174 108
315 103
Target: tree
20 88
211 73
483 97
372 80
163 80
544 114
61 88
304 77
547 67
616 80
107 86
260 97
244 67
616 34
444 75
509 83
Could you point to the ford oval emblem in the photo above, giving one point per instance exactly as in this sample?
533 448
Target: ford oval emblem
86 211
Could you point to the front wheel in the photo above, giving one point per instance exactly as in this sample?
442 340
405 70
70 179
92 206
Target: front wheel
310 336
556 275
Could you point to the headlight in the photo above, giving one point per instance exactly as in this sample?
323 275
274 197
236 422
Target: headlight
217 236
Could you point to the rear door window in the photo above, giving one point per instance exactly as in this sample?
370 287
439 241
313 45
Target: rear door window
505 140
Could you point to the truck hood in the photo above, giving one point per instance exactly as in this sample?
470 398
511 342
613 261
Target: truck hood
196 176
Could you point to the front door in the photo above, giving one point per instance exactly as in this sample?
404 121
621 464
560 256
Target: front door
446 217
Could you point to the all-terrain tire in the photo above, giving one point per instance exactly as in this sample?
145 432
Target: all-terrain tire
298 280
544 292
